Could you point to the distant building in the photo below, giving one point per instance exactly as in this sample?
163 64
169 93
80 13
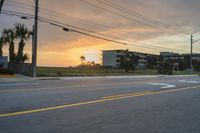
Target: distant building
185 58
195 59
170 56
111 58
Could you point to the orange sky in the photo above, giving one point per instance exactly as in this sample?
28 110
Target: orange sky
59 48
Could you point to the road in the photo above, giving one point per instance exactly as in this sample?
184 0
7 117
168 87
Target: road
163 104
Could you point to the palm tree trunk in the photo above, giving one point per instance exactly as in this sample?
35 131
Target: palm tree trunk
11 52
1 50
20 51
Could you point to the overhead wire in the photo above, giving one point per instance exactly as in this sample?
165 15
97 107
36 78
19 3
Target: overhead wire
77 20
99 37
133 13
128 18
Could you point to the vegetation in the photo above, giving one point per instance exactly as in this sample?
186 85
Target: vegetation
166 68
6 72
128 61
1 46
10 36
90 71
82 58
197 66
23 35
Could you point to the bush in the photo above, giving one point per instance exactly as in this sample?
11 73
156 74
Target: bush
165 68
6 71
197 66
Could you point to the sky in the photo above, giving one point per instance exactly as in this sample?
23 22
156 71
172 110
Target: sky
172 22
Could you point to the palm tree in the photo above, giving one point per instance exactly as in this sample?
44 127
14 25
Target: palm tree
23 34
82 59
9 37
1 46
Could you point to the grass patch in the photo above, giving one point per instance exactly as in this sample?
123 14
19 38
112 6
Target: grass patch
61 72
57 71
186 73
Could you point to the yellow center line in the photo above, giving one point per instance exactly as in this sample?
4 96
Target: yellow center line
92 102
127 94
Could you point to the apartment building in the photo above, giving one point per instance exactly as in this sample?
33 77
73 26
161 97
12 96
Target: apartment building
111 58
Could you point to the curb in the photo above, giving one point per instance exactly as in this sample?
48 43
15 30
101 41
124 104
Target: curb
110 77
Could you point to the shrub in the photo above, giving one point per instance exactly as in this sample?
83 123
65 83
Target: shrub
165 68
197 66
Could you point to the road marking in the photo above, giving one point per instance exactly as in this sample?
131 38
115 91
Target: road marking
188 81
92 102
18 84
164 85
127 94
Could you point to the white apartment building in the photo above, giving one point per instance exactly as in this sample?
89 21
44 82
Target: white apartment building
111 58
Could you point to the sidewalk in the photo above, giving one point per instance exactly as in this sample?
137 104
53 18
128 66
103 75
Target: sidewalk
14 78
110 77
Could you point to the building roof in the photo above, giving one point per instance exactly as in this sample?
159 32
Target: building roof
129 51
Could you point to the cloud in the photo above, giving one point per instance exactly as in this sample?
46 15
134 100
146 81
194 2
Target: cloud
54 43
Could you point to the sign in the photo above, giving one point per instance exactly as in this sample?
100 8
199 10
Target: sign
3 62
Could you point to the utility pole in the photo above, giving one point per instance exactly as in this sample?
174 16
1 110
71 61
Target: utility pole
1 5
191 55
191 65
35 33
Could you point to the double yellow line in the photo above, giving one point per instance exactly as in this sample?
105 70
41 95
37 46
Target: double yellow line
103 99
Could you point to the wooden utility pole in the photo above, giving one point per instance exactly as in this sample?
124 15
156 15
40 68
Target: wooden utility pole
35 34
191 65
1 5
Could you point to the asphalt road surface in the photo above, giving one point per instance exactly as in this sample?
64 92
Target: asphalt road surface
101 105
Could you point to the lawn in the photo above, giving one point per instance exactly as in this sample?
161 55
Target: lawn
60 71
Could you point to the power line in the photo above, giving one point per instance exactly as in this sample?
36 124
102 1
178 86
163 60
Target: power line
77 20
19 6
55 22
19 3
133 13
110 36
118 14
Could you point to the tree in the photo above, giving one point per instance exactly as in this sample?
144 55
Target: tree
166 67
1 46
82 58
9 37
23 34
128 61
